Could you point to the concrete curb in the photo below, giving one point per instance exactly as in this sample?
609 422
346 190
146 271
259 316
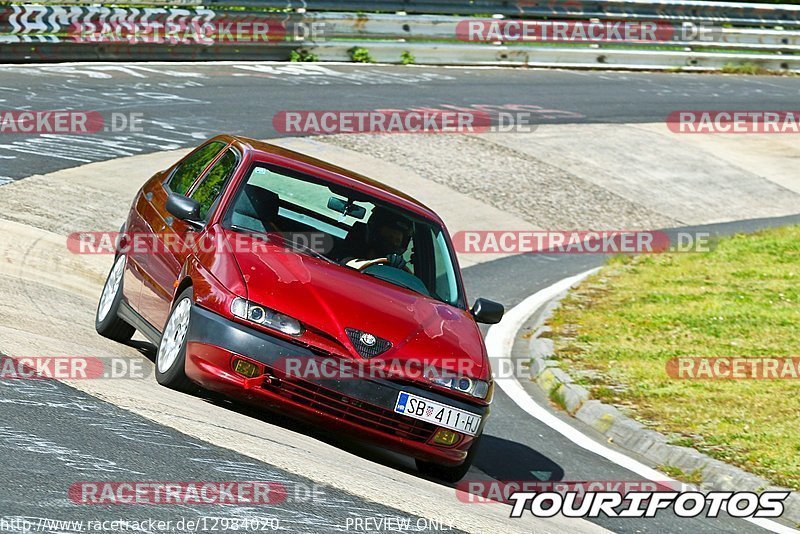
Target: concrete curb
632 435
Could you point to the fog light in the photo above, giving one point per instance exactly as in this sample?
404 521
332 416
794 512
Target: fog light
246 368
446 437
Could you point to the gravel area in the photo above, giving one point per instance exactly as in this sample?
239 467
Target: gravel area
540 193
93 197
512 181
62 206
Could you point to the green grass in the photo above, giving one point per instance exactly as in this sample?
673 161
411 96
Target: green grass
695 477
620 327
557 398
744 68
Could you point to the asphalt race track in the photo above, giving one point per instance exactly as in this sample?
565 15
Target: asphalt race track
183 104
89 431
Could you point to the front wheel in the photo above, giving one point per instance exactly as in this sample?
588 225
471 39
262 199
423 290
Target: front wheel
449 473
171 356
106 321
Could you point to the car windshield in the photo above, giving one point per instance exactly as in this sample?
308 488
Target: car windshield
350 228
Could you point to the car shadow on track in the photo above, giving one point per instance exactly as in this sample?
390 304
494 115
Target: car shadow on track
506 460
147 349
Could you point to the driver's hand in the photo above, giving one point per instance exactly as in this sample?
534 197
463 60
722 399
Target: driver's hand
396 260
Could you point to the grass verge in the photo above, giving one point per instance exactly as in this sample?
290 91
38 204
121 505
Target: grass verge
617 331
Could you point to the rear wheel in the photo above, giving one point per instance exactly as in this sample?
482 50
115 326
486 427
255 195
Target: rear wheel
171 356
107 322
449 473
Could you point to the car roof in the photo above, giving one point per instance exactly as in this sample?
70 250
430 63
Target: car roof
354 179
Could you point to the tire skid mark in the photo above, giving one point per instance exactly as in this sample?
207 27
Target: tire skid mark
74 459
313 507
47 393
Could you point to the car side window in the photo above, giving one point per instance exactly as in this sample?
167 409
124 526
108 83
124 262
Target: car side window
188 171
210 188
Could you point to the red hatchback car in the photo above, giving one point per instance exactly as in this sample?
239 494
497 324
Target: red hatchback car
284 281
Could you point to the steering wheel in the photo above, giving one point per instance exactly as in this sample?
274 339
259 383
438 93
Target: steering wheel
366 264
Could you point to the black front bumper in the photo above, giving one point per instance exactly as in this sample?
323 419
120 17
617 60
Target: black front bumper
365 402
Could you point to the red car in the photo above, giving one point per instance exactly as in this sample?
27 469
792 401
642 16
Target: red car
285 281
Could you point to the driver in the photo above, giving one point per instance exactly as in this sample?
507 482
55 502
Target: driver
387 237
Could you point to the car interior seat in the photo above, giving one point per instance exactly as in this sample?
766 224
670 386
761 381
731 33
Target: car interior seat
355 243
256 208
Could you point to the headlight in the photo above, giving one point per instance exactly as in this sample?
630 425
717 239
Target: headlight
463 384
249 311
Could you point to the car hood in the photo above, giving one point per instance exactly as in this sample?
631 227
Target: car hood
329 297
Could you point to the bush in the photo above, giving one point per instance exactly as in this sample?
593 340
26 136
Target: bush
359 54
301 55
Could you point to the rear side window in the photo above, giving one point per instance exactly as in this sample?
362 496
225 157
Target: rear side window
188 171
210 188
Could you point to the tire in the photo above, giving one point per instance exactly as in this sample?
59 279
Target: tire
171 355
106 321
449 473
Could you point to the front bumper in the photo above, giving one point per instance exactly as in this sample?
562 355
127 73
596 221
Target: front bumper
362 407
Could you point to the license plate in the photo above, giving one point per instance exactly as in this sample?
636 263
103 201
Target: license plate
437 413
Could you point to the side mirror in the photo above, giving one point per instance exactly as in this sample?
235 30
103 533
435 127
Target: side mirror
487 311
185 209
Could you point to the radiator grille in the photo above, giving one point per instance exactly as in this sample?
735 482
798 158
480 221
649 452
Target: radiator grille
361 340
352 410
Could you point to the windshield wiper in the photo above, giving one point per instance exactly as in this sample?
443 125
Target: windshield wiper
304 248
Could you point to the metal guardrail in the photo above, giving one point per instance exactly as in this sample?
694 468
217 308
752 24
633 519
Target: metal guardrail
526 56
445 28
47 33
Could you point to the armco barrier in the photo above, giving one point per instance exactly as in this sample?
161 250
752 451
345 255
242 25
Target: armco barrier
36 33
512 55
58 20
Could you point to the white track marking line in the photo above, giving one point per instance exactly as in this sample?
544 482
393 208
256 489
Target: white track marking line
500 339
